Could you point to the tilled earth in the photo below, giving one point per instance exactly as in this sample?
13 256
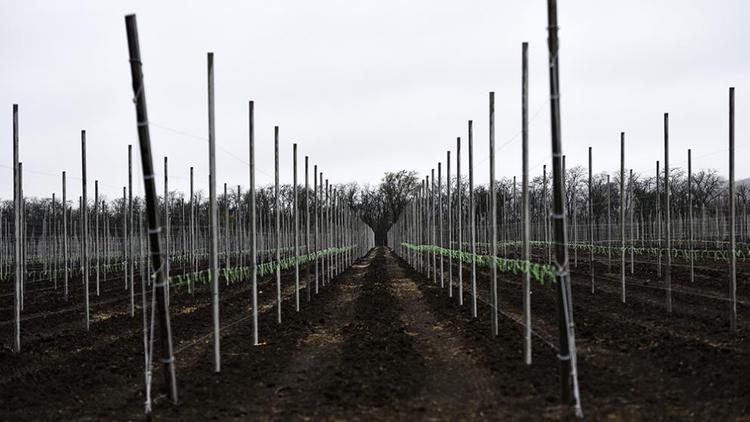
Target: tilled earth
382 342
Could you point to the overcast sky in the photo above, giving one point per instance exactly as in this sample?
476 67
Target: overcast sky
366 87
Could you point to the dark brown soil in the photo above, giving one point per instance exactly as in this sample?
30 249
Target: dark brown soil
382 342
636 362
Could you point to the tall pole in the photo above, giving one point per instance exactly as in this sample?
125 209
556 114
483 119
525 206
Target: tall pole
96 230
441 243
295 205
658 221
129 233
567 354
668 234
525 200
240 228
547 228
22 210
124 237
151 204
622 216
575 229
278 221
511 227
690 214
631 208
226 230
329 222
323 226
609 224
166 219
213 216
54 240
448 204
84 230
193 223
591 223
253 235
732 234
17 237
65 234
433 225
473 225
307 225
459 216
316 240
493 220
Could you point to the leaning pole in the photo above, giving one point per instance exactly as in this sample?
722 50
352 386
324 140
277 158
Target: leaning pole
154 229
567 354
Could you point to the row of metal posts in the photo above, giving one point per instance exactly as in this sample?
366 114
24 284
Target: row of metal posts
412 236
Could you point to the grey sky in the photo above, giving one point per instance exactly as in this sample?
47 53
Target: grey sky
366 87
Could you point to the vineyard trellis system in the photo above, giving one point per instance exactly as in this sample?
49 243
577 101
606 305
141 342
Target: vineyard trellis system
172 244
656 228
666 221
467 237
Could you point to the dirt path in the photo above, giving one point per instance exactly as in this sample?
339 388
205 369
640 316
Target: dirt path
397 360
369 347
455 383
382 354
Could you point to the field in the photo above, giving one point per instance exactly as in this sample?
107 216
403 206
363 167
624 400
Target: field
568 292
384 342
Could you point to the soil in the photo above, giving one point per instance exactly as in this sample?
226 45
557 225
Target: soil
383 342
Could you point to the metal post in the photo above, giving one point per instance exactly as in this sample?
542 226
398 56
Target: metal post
96 230
433 225
667 206
65 234
567 354
17 238
307 227
631 207
622 216
448 204
609 224
591 223
316 240
690 214
193 223
84 230
732 234
213 217
166 220
150 187
459 216
253 234
525 200
278 222
473 219
658 221
295 205
441 243
493 220
547 216
226 232
129 233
